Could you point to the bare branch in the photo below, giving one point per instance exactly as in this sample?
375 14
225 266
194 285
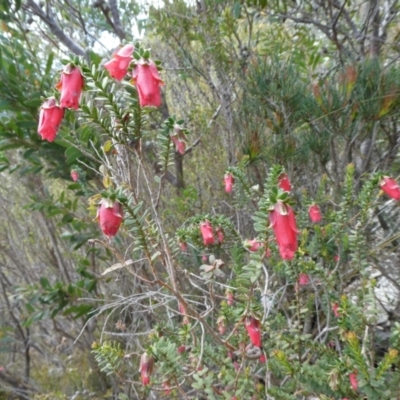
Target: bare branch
116 20
55 29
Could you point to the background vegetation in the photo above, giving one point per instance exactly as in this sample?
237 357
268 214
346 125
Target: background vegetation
260 87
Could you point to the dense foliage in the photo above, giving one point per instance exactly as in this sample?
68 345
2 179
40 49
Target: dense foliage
230 235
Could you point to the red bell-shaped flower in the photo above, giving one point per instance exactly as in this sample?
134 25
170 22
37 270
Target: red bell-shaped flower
390 187
315 213
118 66
207 233
50 119
253 329
70 86
229 180
110 215
148 82
146 368
283 223
284 182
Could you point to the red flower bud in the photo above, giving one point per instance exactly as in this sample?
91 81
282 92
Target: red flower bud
118 66
253 245
353 380
146 368
74 175
229 297
183 246
207 233
390 187
315 213
284 224
335 308
284 182
50 119
181 349
110 215
70 85
229 180
148 82
253 329
220 234
179 144
303 279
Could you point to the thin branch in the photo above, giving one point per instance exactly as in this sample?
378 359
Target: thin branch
55 29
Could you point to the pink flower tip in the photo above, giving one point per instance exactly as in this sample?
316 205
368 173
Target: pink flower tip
253 244
74 175
303 279
229 180
353 380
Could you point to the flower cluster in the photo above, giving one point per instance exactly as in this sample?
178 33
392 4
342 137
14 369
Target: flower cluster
51 114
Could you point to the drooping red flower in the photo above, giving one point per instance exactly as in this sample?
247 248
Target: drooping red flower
147 80
283 223
253 245
110 215
229 180
181 349
146 368
315 213
220 234
303 279
118 66
70 86
353 380
390 187
179 144
207 233
74 175
284 182
50 119
335 308
253 329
